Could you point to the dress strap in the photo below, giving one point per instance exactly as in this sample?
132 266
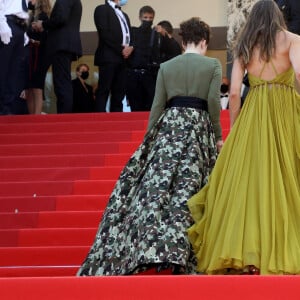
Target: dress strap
262 69
264 66
273 66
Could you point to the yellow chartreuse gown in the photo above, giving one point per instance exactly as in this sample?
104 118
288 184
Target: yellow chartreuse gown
249 211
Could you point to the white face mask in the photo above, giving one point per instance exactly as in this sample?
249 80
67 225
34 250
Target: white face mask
122 2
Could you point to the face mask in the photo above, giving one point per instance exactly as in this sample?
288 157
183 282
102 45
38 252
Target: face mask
122 2
224 88
146 24
85 75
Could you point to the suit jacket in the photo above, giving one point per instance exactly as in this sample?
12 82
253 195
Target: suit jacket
83 101
294 21
191 75
110 47
64 27
291 12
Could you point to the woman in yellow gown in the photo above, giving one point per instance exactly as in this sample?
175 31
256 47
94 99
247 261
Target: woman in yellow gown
247 217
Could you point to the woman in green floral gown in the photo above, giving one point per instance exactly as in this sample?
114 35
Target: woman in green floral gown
144 225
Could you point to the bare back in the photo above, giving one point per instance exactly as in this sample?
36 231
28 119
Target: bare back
280 62
287 55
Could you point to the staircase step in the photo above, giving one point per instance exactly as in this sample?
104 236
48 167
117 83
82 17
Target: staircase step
47 237
43 188
53 203
54 219
82 202
152 287
82 117
58 161
71 137
55 174
43 256
44 174
108 173
74 126
93 187
68 149
38 271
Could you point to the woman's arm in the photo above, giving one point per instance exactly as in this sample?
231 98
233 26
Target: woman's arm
237 75
294 56
160 100
213 100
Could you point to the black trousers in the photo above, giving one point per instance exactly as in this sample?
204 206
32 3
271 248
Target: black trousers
112 81
12 64
62 81
140 89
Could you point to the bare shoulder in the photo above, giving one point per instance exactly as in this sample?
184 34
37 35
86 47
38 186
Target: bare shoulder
287 38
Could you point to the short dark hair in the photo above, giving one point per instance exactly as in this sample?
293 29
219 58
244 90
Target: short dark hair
81 65
167 26
194 30
147 9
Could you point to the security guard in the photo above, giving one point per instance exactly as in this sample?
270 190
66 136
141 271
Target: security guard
149 52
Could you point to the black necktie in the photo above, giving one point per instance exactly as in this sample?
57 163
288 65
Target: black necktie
118 7
24 5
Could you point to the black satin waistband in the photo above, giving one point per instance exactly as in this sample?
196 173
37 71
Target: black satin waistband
190 102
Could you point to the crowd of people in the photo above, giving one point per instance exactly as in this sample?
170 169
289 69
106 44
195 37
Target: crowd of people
128 57
187 203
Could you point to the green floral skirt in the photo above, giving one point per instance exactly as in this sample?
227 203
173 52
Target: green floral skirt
146 219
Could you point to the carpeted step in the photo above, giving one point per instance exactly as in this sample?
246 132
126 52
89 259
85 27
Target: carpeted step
68 148
44 174
106 173
93 187
38 271
59 161
82 117
27 204
152 288
74 126
42 188
54 219
54 174
72 137
51 188
82 202
50 203
43 256
47 237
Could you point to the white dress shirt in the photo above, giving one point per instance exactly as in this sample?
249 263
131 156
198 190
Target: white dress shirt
123 23
10 7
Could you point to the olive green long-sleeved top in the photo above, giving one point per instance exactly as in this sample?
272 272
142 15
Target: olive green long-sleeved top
192 75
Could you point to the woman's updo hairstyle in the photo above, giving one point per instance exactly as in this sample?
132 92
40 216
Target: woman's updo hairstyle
193 31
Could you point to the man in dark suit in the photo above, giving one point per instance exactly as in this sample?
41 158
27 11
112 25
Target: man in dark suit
113 50
151 48
63 47
13 15
291 11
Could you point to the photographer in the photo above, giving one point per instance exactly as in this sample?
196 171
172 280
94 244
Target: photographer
150 49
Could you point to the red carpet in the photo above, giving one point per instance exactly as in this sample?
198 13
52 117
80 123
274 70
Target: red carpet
57 172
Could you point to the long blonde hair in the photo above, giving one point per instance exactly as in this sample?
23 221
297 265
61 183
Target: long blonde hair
260 30
42 6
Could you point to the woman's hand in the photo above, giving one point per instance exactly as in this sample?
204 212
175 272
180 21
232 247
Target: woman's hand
219 145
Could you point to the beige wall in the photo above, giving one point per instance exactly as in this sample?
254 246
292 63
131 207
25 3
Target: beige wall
214 12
